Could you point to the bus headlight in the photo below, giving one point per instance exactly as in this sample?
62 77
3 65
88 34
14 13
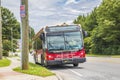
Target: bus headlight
49 57
82 53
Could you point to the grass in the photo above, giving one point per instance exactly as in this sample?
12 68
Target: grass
35 70
116 56
11 56
4 62
98 55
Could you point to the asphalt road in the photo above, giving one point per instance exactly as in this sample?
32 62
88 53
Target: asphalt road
96 68
105 68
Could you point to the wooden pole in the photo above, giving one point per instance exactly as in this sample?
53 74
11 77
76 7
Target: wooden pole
0 32
25 34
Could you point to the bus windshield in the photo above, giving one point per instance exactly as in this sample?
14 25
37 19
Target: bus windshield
64 41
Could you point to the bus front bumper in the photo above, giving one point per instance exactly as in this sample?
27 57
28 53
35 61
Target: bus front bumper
66 61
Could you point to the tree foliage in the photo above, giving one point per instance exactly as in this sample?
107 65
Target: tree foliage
31 34
37 44
10 31
103 26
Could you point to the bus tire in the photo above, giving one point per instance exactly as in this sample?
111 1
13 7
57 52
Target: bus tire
75 64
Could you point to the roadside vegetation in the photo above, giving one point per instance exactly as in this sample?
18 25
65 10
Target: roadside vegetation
99 55
35 69
4 62
11 32
103 27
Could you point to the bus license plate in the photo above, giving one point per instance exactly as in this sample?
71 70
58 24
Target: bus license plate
57 58
66 60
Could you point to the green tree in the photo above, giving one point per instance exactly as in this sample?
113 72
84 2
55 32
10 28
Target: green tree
88 23
10 30
31 35
108 33
103 26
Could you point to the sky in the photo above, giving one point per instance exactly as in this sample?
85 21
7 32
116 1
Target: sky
52 12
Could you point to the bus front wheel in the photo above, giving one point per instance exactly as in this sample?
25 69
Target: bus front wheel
75 64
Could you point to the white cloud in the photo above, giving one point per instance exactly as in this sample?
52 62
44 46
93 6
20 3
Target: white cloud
50 12
70 1
76 11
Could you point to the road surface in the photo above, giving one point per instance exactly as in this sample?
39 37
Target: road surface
93 69
96 68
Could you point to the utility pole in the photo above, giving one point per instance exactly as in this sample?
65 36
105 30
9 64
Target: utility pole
25 34
0 32
12 40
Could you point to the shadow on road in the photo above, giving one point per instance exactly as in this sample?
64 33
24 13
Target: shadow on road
62 67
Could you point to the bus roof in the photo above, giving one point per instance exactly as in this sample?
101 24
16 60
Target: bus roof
56 28
62 28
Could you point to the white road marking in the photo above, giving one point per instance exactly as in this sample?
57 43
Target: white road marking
76 73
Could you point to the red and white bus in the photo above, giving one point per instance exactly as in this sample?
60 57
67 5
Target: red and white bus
61 44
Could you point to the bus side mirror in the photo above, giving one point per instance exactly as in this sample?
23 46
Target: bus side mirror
85 33
42 36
